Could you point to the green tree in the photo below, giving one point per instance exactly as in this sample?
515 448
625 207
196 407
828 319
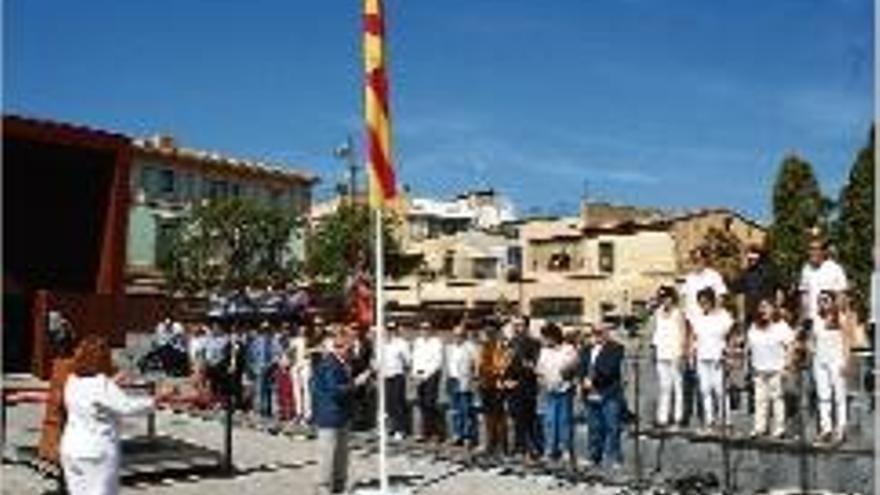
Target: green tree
725 252
854 229
228 244
343 242
798 207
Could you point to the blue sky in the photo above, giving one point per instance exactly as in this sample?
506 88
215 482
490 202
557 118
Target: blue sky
679 103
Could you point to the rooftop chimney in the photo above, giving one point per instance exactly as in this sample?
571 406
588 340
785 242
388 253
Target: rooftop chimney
163 141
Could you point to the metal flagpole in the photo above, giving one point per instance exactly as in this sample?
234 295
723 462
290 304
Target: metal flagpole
380 348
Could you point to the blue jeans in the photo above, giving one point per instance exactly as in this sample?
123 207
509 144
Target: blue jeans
604 419
464 420
558 412
263 397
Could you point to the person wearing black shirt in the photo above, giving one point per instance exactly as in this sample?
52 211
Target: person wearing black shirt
364 394
522 385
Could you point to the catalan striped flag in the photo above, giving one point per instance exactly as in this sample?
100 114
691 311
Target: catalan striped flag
383 186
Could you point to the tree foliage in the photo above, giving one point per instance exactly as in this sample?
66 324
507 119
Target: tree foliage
229 244
343 243
725 252
798 207
854 229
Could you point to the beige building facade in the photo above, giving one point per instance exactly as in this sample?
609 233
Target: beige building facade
604 264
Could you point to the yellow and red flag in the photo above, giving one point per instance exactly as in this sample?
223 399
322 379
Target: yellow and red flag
383 186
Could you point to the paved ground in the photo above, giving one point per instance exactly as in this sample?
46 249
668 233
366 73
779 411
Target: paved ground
270 464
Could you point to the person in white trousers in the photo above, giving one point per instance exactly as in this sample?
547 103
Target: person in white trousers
830 358
769 342
669 341
90 445
711 327
301 376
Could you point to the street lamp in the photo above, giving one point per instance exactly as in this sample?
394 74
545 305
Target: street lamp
346 152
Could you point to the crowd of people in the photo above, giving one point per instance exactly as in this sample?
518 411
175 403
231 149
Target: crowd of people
512 387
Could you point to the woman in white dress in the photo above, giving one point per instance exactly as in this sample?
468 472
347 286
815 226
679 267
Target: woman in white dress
94 404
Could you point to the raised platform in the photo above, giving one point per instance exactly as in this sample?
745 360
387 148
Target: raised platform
764 444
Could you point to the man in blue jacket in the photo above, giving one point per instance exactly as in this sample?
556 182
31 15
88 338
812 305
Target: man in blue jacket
601 374
331 411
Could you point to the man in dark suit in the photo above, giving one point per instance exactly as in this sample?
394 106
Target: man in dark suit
601 368
364 394
332 412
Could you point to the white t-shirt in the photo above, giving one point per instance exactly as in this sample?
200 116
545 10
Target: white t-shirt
94 405
710 331
827 276
396 357
828 343
552 361
668 338
198 346
769 346
461 363
427 356
697 281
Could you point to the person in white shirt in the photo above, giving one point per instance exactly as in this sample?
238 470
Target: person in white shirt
94 403
710 330
427 363
198 345
701 277
178 336
162 334
769 342
670 344
300 357
395 361
820 273
830 358
461 372
556 366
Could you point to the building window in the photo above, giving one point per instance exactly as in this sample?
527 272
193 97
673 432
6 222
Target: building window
166 181
189 187
514 258
558 309
165 233
218 189
607 312
449 264
235 190
606 257
559 262
146 180
485 268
